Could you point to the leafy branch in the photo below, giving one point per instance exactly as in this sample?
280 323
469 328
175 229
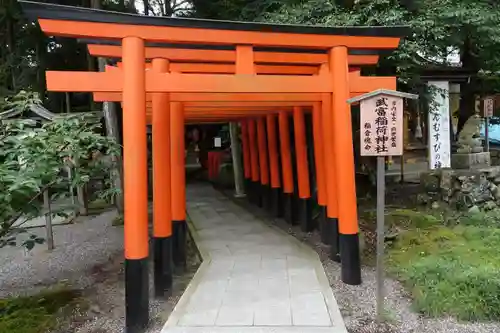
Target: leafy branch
34 158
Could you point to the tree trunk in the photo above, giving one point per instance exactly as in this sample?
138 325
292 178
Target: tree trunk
68 102
146 7
91 68
48 220
81 195
112 131
467 106
10 49
41 67
131 6
168 11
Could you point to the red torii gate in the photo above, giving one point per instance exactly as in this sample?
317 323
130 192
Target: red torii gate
327 85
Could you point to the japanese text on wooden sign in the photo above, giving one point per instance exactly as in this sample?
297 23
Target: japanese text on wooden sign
381 126
488 107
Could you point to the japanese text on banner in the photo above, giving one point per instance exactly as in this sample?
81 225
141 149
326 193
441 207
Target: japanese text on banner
439 128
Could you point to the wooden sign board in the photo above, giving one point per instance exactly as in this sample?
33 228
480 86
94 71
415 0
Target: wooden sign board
488 107
381 131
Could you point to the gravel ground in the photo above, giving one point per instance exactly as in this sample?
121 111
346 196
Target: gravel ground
357 303
79 246
89 257
107 298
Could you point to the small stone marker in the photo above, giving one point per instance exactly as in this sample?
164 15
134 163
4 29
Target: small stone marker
381 127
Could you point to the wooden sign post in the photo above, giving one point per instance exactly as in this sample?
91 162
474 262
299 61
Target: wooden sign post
381 135
488 112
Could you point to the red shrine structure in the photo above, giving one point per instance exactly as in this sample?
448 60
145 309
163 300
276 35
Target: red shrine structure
266 77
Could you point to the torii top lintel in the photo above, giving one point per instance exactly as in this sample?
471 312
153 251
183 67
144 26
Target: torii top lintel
79 22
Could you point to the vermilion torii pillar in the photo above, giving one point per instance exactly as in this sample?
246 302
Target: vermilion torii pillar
135 185
162 198
332 215
246 154
274 195
263 162
209 82
255 188
344 172
319 162
178 173
286 168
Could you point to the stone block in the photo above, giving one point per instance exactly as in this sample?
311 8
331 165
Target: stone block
491 172
470 161
495 157
446 181
430 181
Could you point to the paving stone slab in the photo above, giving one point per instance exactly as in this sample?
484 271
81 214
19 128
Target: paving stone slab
254 278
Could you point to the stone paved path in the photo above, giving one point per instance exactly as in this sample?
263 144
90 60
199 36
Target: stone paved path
254 278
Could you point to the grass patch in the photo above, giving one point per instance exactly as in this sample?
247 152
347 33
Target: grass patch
413 219
99 204
35 314
486 219
453 270
118 220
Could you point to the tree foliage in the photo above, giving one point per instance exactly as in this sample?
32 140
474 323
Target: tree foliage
436 28
436 25
26 53
34 158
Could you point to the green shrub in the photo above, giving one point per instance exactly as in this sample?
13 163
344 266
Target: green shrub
490 218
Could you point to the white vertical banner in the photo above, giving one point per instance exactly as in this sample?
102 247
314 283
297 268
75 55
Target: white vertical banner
439 126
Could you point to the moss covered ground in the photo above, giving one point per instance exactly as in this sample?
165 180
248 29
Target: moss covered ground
450 264
38 313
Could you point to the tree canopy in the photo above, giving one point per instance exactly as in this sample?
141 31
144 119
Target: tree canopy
438 27
26 53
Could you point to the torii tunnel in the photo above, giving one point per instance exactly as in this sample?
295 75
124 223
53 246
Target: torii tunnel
265 77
